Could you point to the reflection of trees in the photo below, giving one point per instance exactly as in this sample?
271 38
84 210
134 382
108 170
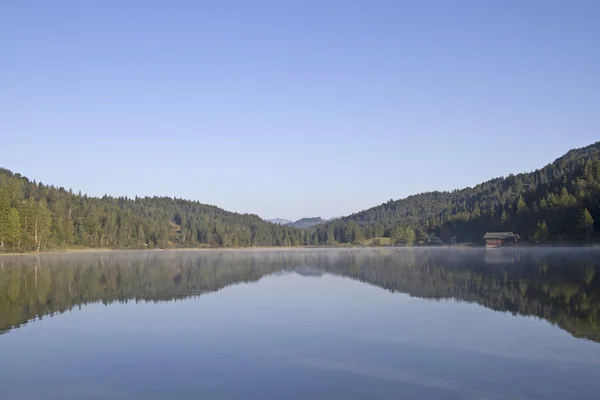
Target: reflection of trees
564 290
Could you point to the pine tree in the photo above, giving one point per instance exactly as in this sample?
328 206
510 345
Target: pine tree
409 236
504 219
26 211
541 232
330 236
141 236
13 227
521 206
15 193
586 224
42 221
4 211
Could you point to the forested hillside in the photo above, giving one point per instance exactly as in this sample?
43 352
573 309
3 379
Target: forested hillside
558 203
305 223
34 216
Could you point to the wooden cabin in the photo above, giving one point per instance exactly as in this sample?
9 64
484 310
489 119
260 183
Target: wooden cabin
500 239
434 240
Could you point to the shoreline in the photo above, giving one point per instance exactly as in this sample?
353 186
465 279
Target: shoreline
104 250
280 248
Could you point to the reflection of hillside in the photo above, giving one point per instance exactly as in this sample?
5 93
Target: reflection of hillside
563 290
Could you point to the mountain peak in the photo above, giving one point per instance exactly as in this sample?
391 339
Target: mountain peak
302 223
279 221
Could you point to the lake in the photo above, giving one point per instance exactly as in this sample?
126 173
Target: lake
391 323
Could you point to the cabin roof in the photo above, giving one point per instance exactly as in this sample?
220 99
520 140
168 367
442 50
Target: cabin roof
500 235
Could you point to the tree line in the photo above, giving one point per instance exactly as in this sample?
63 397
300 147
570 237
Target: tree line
34 216
557 203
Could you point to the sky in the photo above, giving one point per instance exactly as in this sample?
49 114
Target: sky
293 109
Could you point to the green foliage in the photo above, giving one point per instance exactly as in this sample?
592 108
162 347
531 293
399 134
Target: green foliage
378 241
409 236
52 217
521 206
586 223
4 211
404 236
13 227
36 217
554 194
541 232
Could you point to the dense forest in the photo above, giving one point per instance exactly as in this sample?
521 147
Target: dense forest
34 216
563 289
558 203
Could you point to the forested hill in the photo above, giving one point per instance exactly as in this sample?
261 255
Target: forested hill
34 216
559 202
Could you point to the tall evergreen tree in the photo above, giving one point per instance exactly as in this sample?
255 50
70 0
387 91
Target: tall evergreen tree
13 227
4 211
586 224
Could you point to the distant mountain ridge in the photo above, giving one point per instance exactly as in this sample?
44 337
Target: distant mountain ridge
279 221
302 223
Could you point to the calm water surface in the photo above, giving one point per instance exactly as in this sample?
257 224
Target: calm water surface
299 324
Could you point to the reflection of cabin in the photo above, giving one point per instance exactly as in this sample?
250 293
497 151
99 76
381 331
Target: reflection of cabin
499 239
502 257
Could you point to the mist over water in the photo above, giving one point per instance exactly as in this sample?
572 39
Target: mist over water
304 323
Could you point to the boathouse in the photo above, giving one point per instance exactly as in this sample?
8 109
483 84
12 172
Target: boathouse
498 239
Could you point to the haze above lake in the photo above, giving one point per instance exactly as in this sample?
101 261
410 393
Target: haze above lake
306 323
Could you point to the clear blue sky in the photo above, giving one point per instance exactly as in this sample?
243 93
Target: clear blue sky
293 108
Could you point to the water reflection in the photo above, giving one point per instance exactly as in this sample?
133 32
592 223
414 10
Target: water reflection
559 285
